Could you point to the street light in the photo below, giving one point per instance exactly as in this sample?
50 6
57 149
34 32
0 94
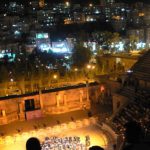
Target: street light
90 69
88 66
93 67
11 80
67 4
76 69
55 76
75 73
90 5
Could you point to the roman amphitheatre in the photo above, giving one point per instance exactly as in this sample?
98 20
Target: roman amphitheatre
93 113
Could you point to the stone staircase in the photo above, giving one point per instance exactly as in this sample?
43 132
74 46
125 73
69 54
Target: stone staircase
128 92
141 69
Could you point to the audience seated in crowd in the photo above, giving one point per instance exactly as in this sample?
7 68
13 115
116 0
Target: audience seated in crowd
34 144
134 137
137 110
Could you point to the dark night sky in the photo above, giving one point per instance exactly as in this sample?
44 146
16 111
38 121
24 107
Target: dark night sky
83 1
133 1
97 1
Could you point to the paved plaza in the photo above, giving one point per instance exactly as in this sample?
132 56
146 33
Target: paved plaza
97 137
75 123
46 121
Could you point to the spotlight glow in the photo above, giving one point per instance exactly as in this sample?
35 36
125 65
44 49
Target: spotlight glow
82 129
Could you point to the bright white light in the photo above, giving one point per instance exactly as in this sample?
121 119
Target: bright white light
120 46
45 47
91 19
55 76
67 4
140 45
88 19
88 66
43 42
60 47
129 71
90 5
97 12
93 67
10 55
91 45
11 80
76 69
112 45
17 32
67 57
2 51
42 35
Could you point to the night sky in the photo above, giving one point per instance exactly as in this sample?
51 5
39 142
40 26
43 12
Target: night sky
82 1
97 1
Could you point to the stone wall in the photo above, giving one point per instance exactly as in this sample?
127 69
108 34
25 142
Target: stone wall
118 102
48 102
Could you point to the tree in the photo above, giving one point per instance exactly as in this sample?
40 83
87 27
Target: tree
4 77
133 40
115 39
99 62
81 56
4 73
82 36
104 39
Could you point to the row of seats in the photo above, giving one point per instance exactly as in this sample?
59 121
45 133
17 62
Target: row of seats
137 110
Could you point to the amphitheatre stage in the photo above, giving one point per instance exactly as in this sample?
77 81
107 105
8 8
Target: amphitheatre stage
86 130
64 114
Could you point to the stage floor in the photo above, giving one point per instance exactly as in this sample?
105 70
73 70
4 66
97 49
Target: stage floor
97 137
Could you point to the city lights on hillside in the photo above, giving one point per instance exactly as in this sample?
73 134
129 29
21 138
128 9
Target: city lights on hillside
68 71
140 45
120 46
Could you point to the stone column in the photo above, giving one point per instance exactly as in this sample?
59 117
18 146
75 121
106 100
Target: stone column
21 114
41 100
3 113
4 119
87 90
20 107
81 96
57 100
65 100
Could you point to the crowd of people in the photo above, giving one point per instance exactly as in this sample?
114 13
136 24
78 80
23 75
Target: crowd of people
66 143
137 110
55 143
